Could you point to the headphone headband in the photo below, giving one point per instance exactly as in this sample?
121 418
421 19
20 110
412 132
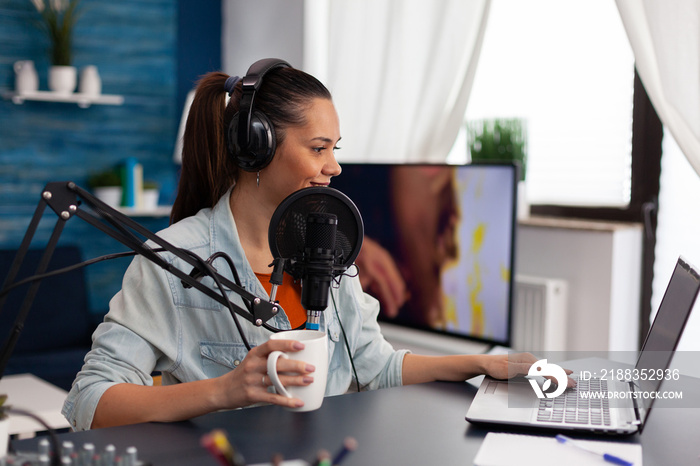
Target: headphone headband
250 84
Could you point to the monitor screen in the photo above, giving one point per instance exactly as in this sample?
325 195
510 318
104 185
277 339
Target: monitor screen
450 231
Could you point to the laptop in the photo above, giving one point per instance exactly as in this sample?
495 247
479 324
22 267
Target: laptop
529 402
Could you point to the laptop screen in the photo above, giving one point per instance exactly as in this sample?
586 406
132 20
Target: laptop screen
666 330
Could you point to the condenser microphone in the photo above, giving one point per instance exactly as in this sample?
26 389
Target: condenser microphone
317 265
317 234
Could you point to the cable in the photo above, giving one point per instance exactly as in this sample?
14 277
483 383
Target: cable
206 265
70 268
56 456
234 272
237 281
347 344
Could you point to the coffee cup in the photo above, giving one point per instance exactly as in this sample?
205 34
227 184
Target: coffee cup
315 352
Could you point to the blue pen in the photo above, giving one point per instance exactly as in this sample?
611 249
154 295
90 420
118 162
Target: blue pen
349 445
606 456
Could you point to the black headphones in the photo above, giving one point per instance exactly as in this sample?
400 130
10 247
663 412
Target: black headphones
251 136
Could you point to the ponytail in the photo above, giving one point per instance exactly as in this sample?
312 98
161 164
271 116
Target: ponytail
208 170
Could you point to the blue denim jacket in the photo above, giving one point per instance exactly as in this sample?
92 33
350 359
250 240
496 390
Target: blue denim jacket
155 324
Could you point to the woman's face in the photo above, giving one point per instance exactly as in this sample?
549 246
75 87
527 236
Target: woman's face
306 157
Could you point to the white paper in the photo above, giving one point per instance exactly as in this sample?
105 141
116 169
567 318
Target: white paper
504 449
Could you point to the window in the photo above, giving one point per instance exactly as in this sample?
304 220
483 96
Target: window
568 70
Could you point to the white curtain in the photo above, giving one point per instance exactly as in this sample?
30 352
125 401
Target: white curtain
400 72
677 232
665 38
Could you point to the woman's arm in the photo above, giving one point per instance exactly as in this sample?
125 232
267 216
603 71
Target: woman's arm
126 403
419 369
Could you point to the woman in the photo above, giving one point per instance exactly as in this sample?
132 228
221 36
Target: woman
155 324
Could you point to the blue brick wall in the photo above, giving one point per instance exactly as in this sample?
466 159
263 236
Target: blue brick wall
134 45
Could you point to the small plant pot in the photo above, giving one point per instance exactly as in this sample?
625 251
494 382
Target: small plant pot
150 199
63 79
110 195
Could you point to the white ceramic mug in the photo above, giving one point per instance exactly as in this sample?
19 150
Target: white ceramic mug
315 352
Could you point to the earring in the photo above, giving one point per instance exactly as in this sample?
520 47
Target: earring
258 180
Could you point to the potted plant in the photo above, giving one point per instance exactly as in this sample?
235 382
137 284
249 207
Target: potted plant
58 18
4 426
501 140
107 186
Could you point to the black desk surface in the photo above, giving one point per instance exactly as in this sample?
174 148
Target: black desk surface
413 425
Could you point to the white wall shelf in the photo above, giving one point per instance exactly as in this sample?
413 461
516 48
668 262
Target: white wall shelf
82 100
160 211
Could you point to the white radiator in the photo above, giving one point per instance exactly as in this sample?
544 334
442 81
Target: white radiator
539 314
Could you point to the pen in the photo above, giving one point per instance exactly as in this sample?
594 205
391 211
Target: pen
349 444
606 456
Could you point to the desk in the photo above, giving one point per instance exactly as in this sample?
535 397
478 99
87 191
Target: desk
414 425
30 393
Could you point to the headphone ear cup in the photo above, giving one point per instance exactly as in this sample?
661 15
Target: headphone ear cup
263 141
261 146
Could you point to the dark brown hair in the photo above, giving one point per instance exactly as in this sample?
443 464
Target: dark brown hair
208 170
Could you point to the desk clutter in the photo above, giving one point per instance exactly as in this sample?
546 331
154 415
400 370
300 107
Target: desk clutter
217 444
70 455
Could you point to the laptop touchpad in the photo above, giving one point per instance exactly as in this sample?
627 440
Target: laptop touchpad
496 388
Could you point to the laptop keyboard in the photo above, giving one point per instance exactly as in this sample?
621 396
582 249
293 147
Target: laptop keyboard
574 408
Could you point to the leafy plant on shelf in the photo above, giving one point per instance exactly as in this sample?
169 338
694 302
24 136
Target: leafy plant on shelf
150 185
106 178
58 18
498 140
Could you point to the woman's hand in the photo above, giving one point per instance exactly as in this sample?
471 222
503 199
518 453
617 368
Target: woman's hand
419 369
128 403
507 366
248 383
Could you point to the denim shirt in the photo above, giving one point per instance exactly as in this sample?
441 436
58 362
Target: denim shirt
155 324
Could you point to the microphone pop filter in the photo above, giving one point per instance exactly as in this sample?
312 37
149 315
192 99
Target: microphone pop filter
287 232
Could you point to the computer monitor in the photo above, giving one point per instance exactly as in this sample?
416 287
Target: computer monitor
450 230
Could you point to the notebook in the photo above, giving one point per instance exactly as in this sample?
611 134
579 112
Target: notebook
529 402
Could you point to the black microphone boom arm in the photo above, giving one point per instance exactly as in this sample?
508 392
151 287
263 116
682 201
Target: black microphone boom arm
65 199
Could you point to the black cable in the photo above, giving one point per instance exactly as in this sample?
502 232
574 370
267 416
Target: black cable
206 265
234 273
56 456
230 263
70 268
237 281
347 344
231 311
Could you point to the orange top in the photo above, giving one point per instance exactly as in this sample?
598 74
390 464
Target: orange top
289 297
